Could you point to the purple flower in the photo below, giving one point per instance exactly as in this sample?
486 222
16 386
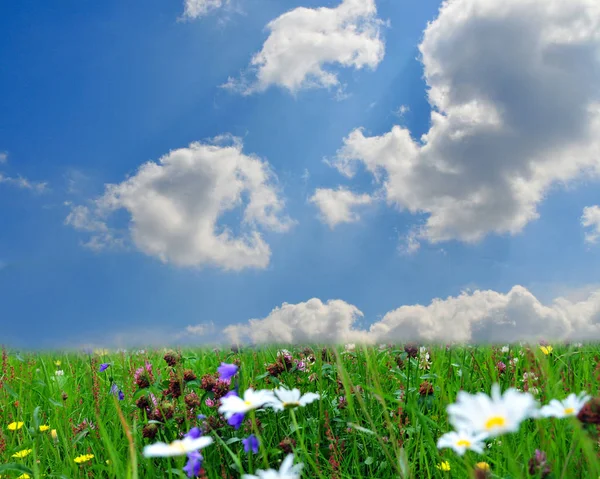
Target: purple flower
194 433
230 393
114 389
236 420
104 367
121 395
201 417
227 371
192 468
251 443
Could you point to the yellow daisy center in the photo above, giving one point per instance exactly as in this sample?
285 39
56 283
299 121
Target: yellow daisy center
569 410
178 445
291 404
247 403
495 421
463 442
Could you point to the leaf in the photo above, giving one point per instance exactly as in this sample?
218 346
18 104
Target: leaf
360 428
262 376
54 402
10 391
232 440
369 461
36 418
80 436
13 466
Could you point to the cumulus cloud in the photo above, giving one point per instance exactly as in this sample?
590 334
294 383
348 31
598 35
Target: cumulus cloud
515 93
175 205
199 8
82 219
473 316
307 322
336 206
303 41
591 219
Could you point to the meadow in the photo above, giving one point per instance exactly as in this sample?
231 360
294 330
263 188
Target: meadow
361 412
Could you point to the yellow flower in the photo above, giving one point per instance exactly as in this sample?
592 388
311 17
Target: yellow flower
23 453
57 363
13 426
54 435
484 466
546 349
24 476
108 461
44 427
443 466
83 458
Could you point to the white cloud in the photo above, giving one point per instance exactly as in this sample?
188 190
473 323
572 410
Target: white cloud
302 41
515 92
176 203
24 183
591 219
3 157
199 8
82 219
202 329
473 316
336 205
307 322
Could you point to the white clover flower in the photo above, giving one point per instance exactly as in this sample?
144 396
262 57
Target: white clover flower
284 398
59 372
231 405
461 441
493 415
286 471
513 361
350 347
177 448
565 408
505 349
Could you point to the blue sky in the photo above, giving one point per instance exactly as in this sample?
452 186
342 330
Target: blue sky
93 90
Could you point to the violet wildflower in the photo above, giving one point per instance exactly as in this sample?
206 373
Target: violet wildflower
104 367
227 371
251 443
236 420
192 468
194 433
115 391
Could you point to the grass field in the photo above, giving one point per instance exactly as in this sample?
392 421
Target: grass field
380 412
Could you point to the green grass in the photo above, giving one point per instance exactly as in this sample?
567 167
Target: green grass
387 427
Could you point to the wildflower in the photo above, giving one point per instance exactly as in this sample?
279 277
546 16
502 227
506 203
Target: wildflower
483 466
44 428
232 404
501 367
23 453
287 445
194 464
104 367
461 441
567 407
236 420
172 358
494 416
57 363
227 371
282 398
590 412
13 426
149 431
546 349
59 372
443 466
538 465
286 471
54 435
188 375
482 471
504 349
411 350
24 476
83 458
301 366
101 352
250 443
178 447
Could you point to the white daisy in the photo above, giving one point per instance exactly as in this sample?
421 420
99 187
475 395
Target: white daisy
565 408
494 416
284 398
177 448
252 400
461 441
286 471
504 349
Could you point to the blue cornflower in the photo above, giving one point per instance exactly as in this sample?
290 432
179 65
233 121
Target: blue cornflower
226 371
104 367
192 468
251 443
